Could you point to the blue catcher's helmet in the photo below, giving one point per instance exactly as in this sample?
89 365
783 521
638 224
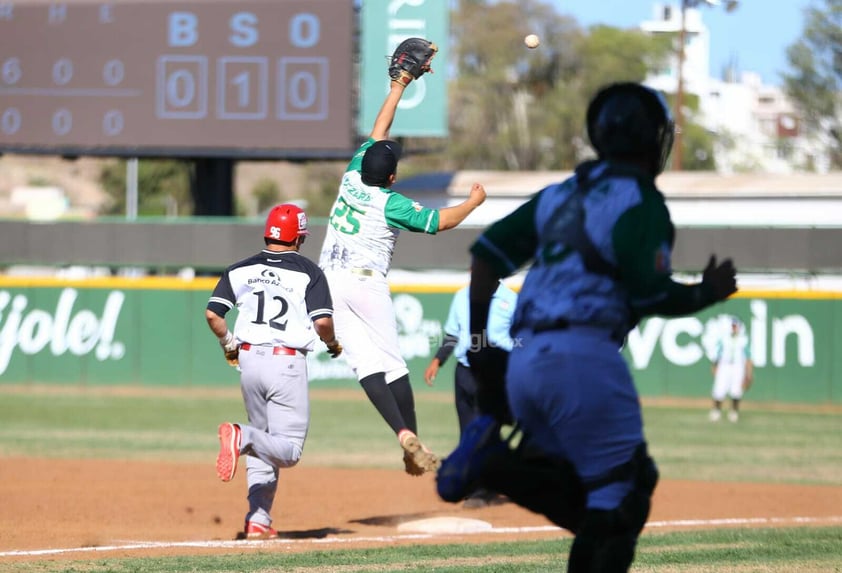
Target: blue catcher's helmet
629 120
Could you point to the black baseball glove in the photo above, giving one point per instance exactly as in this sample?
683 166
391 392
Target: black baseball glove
411 60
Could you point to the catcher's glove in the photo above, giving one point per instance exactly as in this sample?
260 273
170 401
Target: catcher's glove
230 348
411 60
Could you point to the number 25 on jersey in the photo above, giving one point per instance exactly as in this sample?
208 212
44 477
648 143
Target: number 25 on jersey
343 218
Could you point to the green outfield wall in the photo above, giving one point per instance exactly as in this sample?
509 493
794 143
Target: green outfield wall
152 332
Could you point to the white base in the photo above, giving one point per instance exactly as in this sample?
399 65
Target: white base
445 525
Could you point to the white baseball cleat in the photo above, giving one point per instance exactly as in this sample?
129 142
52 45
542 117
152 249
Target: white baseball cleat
714 415
733 416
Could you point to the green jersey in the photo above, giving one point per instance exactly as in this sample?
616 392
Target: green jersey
365 222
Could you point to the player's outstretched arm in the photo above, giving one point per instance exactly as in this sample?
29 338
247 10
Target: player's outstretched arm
642 241
450 217
410 60
679 299
386 115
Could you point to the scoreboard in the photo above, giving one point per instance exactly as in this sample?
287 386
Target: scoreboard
203 78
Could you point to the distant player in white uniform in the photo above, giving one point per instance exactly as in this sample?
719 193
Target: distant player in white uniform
733 371
356 256
283 305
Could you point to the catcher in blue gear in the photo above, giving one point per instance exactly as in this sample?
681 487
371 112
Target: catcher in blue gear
600 245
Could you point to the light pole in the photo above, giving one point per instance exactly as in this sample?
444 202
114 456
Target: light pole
730 6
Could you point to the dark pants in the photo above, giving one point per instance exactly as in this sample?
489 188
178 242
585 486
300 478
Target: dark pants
465 391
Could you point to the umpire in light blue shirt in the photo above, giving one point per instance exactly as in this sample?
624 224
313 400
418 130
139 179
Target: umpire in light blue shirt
457 340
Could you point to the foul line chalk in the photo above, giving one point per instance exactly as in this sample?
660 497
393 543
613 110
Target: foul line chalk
262 544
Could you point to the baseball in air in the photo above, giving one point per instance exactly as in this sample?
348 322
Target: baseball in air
532 41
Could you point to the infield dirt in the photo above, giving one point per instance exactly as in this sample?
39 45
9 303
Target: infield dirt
73 504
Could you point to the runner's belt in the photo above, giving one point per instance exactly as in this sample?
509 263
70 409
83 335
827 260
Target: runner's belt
363 272
276 350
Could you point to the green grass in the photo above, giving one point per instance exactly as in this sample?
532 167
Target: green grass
735 550
103 424
95 425
767 445
793 549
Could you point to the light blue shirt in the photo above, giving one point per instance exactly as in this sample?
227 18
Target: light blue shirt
500 313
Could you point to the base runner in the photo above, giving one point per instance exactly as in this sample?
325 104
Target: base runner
283 305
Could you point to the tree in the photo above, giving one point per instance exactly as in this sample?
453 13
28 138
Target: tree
698 148
163 187
519 109
815 81
265 194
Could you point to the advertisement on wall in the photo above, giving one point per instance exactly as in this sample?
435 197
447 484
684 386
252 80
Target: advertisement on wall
788 342
70 328
385 24
114 336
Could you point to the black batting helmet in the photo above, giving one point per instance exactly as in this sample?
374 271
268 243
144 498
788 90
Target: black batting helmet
628 119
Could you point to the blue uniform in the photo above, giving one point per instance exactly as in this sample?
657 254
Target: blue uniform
598 246
600 259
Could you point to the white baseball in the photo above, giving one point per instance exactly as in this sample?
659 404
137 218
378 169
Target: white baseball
532 41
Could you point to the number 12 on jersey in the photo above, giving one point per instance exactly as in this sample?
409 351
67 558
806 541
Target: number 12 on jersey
261 308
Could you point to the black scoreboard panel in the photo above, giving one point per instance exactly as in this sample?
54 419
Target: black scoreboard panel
254 78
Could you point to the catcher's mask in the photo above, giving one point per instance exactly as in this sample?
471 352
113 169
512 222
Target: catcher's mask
631 120
285 223
379 162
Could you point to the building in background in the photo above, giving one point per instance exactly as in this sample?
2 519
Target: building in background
756 127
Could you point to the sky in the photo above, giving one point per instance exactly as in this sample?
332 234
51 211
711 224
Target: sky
755 35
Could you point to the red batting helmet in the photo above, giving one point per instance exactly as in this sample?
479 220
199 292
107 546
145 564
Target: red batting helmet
286 223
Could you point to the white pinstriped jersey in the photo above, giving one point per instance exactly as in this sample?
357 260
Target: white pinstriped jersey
365 222
277 295
732 349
